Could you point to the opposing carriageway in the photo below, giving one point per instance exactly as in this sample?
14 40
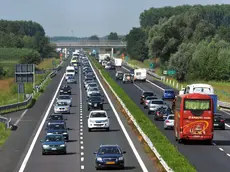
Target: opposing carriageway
204 157
82 143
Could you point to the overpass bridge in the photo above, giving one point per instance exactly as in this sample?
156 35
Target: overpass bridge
90 44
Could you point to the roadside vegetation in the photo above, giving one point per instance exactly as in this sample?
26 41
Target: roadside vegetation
192 40
168 151
4 133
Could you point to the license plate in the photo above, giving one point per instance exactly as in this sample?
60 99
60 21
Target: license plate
216 124
53 148
110 162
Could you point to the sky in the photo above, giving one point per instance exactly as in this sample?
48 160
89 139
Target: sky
86 17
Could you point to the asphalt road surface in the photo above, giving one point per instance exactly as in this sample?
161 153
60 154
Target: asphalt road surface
210 158
82 143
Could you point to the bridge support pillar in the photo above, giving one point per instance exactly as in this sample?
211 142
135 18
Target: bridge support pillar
111 52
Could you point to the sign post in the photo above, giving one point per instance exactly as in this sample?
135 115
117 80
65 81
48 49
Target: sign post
151 66
24 73
54 63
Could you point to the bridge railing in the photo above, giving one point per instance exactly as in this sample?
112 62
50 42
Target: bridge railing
91 42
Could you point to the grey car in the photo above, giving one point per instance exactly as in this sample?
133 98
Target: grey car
65 98
71 80
61 107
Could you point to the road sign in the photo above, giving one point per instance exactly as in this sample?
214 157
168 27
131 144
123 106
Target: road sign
165 72
151 65
21 88
24 73
171 72
126 58
60 54
54 63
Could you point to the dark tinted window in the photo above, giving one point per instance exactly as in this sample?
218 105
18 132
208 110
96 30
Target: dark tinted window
169 91
151 98
56 126
148 94
109 150
171 117
64 97
54 138
98 115
157 102
56 117
95 98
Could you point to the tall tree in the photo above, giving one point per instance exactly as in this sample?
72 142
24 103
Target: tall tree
113 36
94 37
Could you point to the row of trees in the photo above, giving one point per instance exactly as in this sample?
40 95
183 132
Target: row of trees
193 40
24 41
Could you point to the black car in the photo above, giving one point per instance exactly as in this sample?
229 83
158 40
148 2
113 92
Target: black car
95 102
219 122
58 127
109 156
96 94
119 75
55 117
66 89
112 67
146 94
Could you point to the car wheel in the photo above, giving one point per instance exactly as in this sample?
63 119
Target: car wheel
107 129
165 128
89 130
88 108
122 167
97 168
64 152
102 108
43 153
223 128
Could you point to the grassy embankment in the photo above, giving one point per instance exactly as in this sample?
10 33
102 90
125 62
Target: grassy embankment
4 133
168 151
8 87
222 89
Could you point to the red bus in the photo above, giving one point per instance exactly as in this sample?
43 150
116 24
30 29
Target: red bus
194 116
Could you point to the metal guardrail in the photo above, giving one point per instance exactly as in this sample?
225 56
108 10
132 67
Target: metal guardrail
221 104
25 103
6 121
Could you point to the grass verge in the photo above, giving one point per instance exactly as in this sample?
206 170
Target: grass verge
4 133
168 151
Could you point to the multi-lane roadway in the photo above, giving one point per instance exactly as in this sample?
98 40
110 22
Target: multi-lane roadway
82 143
210 158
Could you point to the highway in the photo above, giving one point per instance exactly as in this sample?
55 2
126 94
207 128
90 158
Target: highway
82 143
204 157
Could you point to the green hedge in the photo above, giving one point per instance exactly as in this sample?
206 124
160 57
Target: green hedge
166 149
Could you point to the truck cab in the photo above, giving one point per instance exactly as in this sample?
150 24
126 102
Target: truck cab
140 74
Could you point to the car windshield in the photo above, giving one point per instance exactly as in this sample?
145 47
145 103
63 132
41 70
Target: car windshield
109 150
64 97
151 98
169 92
120 74
57 127
54 138
171 117
95 98
56 117
61 104
95 94
157 102
146 94
69 75
98 115
92 85
70 71
93 89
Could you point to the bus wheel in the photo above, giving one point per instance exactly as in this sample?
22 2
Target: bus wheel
176 138
180 141
208 142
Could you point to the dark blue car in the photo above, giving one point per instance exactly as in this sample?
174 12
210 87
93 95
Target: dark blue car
109 156
53 143
58 127
168 94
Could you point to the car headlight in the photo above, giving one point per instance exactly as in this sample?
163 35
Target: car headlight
99 159
62 145
61 90
121 158
91 121
106 120
65 133
48 133
90 103
45 146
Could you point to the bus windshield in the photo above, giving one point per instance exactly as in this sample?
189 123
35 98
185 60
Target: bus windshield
197 104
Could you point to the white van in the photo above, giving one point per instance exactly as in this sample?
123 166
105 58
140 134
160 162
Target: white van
70 70
197 88
118 62
140 74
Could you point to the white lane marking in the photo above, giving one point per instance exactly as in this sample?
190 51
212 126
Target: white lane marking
81 142
82 153
147 80
214 144
139 159
81 126
221 149
228 154
82 158
81 119
81 138
81 123
82 147
81 116
139 87
28 154
82 167
81 134
81 129
20 118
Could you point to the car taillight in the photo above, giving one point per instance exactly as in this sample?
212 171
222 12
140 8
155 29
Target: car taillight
146 102
167 121
221 120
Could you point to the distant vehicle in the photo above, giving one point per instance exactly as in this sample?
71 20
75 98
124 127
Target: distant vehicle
71 80
119 75
91 85
98 119
68 75
194 117
155 104
86 83
104 63
96 94
54 143
58 128
95 102
92 90
50 122
148 99
70 70
127 77
65 98
140 74
146 94
61 107
219 122
66 89
168 94
108 66
109 156
169 122
56 117
162 113
118 62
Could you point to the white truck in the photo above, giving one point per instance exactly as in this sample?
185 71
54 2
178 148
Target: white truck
140 74
117 62
101 58
70 70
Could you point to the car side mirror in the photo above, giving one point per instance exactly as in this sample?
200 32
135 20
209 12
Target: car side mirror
124 152
95 153
41 141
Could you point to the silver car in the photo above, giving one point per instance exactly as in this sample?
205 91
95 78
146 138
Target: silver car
65 98
71 80
155 104
148 99
91 85
169 122
61 107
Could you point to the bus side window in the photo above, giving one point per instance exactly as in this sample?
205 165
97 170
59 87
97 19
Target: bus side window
187 90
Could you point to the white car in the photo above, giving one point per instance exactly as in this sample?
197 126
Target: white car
104 63
93 90
98 119
169 122
153 105
91 85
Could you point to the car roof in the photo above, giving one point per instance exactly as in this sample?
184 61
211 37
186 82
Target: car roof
97 111
168 90
54 135
157 100
56 114
109 146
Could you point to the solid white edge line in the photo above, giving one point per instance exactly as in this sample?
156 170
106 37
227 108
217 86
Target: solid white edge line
20 118
140 161
28 154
